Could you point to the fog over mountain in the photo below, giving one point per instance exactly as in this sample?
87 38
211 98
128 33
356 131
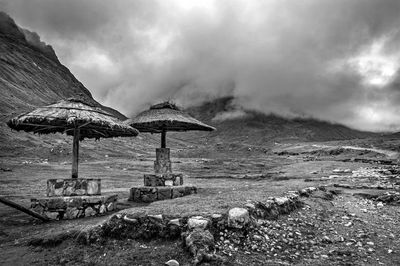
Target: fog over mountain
332 60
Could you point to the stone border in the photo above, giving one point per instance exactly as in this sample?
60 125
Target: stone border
389 197
197 232
374 186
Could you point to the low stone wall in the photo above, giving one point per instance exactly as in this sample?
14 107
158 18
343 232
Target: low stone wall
169 179
198 233
73 187
58 208
150 194
389 197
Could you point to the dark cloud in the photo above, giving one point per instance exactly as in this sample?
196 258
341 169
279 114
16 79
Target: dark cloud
318 58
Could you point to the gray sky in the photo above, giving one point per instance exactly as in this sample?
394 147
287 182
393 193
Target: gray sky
334 60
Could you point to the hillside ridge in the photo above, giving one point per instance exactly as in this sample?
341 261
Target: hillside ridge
262 127
32 75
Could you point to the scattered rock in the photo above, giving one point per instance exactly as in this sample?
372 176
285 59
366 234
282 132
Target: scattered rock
110 206
249 230
103 209
158 217
172 263
52 215
238 217
198 222
281 200
216 216
175 222
127 219
89 212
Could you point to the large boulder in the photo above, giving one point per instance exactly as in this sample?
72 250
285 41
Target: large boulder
238 217
200 244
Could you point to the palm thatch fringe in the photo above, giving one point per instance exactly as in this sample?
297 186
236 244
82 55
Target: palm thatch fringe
66 115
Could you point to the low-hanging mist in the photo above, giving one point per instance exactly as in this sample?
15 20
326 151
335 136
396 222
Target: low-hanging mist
332 60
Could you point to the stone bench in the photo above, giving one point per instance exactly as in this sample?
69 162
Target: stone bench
150 194
58 208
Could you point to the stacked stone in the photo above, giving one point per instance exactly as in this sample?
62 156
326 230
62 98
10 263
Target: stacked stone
168 179
390 197
163 184
73 187
163 171
162 164
74 198
150 194
198 232
58 208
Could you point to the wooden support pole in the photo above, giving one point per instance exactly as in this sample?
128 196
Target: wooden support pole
75 153
23 209
163 139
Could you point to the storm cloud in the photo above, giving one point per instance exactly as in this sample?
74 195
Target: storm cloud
332 60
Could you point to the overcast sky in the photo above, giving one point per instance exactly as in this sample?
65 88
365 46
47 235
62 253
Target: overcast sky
336 60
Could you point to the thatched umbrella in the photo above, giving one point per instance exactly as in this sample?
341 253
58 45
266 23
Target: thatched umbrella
161 118
164 117
75 118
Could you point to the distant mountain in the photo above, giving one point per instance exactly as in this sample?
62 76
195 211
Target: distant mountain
31 75
248 126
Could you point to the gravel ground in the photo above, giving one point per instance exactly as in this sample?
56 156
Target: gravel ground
344 231
359 226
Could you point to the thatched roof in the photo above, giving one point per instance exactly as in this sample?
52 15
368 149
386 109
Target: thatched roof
65 115
166 116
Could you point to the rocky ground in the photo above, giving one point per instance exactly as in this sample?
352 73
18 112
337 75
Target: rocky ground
345 230
351 220
328 229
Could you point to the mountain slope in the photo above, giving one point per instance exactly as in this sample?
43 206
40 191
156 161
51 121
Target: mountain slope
248 126
30 76
30 73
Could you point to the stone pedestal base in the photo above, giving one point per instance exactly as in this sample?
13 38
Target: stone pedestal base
162 164
73 187
150 194
58 208
151 180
